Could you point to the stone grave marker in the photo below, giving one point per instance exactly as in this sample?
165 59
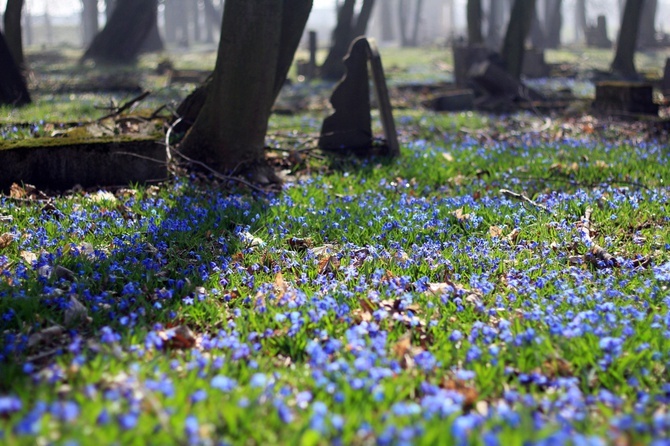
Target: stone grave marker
350 126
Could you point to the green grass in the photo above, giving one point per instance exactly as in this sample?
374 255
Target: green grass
296 345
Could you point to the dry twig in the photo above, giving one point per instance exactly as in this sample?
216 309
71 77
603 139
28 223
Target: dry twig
509 194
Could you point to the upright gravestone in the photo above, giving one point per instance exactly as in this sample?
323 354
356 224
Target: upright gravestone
350 126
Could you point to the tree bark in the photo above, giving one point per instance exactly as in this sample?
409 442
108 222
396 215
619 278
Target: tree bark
553 20
386 17
647 36
258 42
580 19
515 37
120 41
624 59
417 23
474 18
536 32
495 23
13 89
89 20
361 27
110 5
13 35
332 68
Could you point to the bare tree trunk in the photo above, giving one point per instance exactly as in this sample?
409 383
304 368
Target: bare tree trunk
13 89
13 33
388 30
258 42
417 23
474 16
553 19
361 27
495 23
89 20
110 5
536 32
624 59
515 38
580 20
120 41
213 18
647 36
195 20
346 30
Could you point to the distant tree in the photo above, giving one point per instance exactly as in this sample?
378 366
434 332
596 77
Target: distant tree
89 20
408 39
496 18
13 89
553 22
580 19
258 41
515 37
349 26
13 34
122 38
474 16
624 59
647 36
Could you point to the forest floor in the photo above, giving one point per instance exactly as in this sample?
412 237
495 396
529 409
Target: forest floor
505 281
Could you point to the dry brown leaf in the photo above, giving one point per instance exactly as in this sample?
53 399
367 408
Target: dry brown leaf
28 257
281 286
328 264
460 215
5 240
513 236
300 244
17 192
495 231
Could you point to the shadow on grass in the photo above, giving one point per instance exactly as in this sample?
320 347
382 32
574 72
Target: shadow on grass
131 263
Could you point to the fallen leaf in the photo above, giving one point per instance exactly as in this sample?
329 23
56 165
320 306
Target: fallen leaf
328 264
103 196
326 250
300 244
460 215
17 192
448 156
5 240
495 231
28 257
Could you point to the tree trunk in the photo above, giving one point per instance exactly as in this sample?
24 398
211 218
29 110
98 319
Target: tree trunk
536 32
257 45
580 20
647 36
13 34
495 23
386 16
332 68
553 19
110 5
624 63
515 37
89 20
13 89
474 16
153 42
120 41
417 23
195 20
213 18
361 27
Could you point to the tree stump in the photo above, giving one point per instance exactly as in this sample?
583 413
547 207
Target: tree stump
60 164
625 98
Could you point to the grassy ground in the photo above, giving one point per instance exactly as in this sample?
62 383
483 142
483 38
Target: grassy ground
453 296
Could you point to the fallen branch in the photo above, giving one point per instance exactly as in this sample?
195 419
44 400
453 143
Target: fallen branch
126 105
596 252
509 194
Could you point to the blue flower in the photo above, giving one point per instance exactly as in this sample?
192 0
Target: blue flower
223 383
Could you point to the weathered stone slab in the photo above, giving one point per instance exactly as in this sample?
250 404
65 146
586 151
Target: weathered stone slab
61 164
350 126
623 97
